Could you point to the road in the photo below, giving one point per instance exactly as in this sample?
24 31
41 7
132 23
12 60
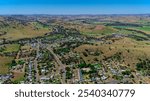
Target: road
30 71
18 54
61 66
36 62
36 69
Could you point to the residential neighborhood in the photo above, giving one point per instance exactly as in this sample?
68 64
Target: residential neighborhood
71 51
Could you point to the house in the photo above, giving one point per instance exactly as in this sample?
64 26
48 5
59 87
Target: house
44 70
104 77
44 78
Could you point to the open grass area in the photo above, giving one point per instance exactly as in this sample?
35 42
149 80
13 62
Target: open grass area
18 76
144 28
97 31
14 34
39 25
131 51
56 36
20 31
11 48
4 64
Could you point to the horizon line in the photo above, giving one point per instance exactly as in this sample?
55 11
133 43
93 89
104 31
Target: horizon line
81 14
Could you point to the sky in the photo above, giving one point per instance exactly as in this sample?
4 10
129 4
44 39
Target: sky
74 7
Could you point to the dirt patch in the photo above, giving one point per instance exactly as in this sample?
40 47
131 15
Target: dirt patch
18 76
99 27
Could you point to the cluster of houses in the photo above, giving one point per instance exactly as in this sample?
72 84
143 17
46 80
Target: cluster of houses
32 56
5 77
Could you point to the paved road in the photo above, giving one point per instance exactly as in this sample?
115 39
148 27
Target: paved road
61 66
35 61
36 69
30 71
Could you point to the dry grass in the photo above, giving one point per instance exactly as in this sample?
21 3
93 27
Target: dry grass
131 51
11 48
99 27
4 61
23 32
18 76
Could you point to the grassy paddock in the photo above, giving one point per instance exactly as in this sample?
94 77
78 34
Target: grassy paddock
4 64
11 48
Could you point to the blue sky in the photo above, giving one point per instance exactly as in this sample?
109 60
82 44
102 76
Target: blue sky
74 6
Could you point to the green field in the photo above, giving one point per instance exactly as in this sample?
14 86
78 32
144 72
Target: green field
144 28
39 25
11 48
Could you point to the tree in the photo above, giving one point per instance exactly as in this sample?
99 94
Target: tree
13 63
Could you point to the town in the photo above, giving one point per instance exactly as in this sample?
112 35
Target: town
66 56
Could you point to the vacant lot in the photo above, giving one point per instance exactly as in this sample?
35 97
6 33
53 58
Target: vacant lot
4 64
11 48
18 76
